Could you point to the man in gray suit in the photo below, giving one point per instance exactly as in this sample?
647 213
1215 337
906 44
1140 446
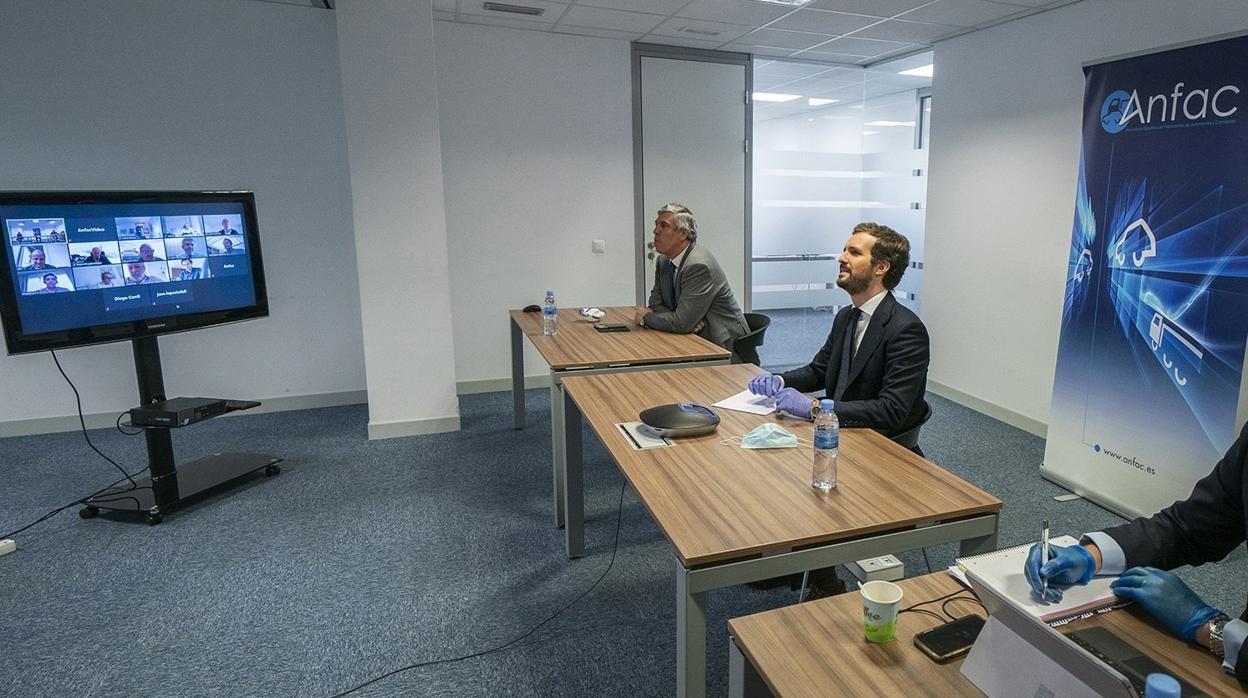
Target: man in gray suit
691 292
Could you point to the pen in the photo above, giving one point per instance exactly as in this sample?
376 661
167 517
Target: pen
1044 554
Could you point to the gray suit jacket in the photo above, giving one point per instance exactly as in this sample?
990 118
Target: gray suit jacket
702 294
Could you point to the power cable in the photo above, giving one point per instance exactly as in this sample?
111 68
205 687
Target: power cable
615 548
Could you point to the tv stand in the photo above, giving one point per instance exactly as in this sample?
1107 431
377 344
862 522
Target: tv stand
169 486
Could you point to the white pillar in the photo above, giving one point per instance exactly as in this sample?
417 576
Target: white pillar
386 54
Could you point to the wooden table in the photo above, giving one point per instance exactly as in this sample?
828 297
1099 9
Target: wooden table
817 649
577 348
722 507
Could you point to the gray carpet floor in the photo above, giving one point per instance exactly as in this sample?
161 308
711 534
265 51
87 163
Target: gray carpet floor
364 557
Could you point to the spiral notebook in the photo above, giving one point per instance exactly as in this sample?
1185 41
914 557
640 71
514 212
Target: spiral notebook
1003 569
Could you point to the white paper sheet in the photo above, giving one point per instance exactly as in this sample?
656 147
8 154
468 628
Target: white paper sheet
640 438
745 401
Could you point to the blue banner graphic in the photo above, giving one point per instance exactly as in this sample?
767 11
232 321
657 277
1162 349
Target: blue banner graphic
1149 387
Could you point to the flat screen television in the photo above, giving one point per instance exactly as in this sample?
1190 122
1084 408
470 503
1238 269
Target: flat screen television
90 267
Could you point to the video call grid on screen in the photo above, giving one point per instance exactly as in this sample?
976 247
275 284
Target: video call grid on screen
126 262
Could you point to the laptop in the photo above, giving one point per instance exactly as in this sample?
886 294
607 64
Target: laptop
1095 656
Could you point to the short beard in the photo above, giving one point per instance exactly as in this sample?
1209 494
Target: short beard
854 284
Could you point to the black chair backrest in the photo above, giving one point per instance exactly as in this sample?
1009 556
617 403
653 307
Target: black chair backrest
910 437
746 346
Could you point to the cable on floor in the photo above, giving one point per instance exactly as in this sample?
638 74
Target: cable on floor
614 549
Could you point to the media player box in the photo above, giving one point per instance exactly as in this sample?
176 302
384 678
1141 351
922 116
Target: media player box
177 412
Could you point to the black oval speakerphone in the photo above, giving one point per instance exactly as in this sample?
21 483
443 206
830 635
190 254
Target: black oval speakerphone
680 419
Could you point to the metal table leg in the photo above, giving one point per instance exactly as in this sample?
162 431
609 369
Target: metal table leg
690 638
744 680
556 445
982 544
573 479
517 375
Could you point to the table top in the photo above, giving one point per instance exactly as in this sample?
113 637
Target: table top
719 502
817 648
578 345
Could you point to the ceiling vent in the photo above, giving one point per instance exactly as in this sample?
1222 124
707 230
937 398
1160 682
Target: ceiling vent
513 9
700 32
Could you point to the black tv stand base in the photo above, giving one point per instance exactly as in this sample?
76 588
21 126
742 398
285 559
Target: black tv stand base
193 480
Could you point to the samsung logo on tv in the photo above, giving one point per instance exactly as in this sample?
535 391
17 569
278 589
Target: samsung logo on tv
155 326
1122 110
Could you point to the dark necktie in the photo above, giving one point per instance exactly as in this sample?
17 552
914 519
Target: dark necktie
847 353
669 278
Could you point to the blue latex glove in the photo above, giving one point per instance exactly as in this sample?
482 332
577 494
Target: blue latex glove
1166 597
1066 566
793 402
766 384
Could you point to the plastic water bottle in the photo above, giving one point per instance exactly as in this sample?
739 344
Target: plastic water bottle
550 317
827 439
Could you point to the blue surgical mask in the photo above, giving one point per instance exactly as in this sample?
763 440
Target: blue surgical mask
769 436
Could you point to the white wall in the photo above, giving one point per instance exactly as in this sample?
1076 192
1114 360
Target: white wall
186 94
390 92
537 158
1004 159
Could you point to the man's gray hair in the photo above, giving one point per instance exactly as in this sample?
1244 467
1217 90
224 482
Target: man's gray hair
683 218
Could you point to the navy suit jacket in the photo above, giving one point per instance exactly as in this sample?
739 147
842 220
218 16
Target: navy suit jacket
888 376
1205 527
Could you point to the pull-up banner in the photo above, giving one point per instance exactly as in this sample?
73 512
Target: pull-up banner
1149 387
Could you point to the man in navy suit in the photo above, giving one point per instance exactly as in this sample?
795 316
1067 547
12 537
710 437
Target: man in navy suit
874 362
1205 527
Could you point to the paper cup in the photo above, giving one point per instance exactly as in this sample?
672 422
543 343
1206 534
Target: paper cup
880 603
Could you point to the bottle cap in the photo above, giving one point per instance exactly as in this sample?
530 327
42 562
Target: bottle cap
550 293
826 405
1161 686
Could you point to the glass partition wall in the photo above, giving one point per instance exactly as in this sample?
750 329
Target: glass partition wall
833 146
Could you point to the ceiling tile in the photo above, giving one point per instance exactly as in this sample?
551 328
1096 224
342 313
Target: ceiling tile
874 8
599 18
784 38
822 22
444 5
444 16
832 57
1036 3
962 13
550 11
901 30
758 50
655 7
680 27
734 11
787 69
598 33
685 41
861 47
492 21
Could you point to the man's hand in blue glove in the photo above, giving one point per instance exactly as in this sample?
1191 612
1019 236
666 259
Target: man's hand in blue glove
1066 566
793 402
1166 597
766 384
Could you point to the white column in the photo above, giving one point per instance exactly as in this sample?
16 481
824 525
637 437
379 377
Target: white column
386 54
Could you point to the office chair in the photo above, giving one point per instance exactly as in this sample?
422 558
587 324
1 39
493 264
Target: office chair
745 349
910 437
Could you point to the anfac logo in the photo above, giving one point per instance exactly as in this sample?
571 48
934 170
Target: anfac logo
1122 109
1111 111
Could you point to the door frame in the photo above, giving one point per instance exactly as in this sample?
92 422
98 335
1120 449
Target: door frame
640 215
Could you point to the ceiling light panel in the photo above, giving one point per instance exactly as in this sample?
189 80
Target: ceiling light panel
777 97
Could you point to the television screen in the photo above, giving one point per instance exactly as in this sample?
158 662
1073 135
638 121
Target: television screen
89 267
